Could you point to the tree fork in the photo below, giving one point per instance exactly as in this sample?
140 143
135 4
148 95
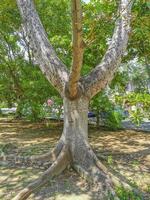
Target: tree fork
75 132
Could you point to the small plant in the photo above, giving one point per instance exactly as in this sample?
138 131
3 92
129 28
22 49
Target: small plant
110 160
124 194
114 119
136 117
135 163
148 188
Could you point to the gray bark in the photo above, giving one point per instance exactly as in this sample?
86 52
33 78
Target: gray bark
75 132
49 63
75 119
104 72
83 159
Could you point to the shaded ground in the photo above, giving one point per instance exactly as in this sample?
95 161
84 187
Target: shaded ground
125 152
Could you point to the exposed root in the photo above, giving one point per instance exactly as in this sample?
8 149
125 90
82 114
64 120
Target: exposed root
56 168
87 165
116 178
83 173
50 156
85 162
102 184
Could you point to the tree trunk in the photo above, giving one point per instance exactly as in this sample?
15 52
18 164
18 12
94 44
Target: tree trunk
75 132
97 118
75 121
83 159
73 149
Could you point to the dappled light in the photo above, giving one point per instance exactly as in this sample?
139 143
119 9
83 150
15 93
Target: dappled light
74 100
126 152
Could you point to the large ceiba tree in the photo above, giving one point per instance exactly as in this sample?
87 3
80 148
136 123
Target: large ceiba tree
73 147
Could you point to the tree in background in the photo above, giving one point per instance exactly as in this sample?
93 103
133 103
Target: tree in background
21 80
98 29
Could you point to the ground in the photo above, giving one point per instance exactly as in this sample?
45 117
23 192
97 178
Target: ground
126 153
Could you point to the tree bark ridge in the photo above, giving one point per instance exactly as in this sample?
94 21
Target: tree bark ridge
104 72
54 70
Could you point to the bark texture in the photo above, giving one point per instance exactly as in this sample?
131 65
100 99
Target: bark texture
77 48
49 63
104 72
73 148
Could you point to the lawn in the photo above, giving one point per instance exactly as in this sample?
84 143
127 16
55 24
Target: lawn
126 153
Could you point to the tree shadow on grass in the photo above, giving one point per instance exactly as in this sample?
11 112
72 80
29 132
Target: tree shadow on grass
67 186
128 150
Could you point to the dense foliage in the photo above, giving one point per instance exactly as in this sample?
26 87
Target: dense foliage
22 83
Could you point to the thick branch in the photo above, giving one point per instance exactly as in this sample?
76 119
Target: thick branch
44 54
77 47
104 72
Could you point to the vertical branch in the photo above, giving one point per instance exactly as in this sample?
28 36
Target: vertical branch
77 48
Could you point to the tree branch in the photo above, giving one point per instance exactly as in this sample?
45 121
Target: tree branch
104 72
77 48
45 56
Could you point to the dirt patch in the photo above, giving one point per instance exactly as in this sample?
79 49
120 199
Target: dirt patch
127 153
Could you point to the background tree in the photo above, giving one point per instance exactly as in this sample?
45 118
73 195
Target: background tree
138 49
21 80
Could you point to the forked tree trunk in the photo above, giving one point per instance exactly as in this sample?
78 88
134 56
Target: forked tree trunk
73 148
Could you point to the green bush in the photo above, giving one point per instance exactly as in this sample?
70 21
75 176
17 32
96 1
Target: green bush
103 107
32 111
114 119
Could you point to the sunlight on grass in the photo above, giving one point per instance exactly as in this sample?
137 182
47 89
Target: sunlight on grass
72 197
127 152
